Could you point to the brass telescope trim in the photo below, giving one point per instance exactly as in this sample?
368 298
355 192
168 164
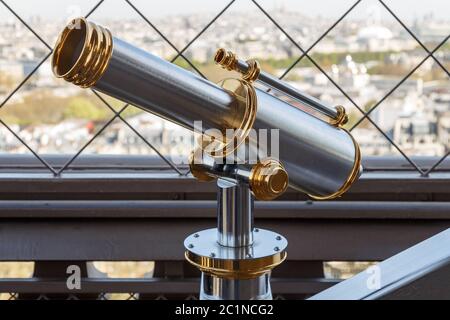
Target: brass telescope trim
82 53
247 262
267 179
229 61
235 269
247 105
341 118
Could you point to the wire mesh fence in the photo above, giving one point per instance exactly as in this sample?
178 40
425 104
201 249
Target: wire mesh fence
181 56
130 296
96 296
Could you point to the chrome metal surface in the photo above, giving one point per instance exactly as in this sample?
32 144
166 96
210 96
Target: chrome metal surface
317 156
267 179
234 214
265 243
215 288
303 98
224 167
160 87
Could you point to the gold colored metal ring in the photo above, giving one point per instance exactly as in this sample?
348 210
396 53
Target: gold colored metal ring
227 59
235 269
352 176
85 66
196 169
341 119
254 69
268 179
247 105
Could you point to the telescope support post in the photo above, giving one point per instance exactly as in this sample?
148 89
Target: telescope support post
234 214
215 288
235 258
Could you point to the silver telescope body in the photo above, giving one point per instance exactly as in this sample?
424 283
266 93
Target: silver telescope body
321 159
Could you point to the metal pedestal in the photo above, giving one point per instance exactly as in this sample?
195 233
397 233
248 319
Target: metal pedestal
215 288
235 258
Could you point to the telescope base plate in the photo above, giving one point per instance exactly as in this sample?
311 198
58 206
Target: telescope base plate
235 273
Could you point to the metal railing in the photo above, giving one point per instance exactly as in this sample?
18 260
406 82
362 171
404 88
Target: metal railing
121 209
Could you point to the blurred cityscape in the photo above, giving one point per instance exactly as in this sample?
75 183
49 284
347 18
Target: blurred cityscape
367 56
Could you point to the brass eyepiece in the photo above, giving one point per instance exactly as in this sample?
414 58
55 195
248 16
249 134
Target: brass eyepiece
268 179
228 60
82 53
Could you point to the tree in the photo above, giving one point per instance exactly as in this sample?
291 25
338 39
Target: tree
83 108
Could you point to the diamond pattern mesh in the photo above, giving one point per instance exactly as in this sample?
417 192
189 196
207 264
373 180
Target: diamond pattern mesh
306 55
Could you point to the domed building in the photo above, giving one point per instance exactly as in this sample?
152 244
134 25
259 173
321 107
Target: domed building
374 32
374 38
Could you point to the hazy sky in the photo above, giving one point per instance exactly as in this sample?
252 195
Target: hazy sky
407 9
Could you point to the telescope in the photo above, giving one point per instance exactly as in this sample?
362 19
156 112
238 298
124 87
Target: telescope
314 155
